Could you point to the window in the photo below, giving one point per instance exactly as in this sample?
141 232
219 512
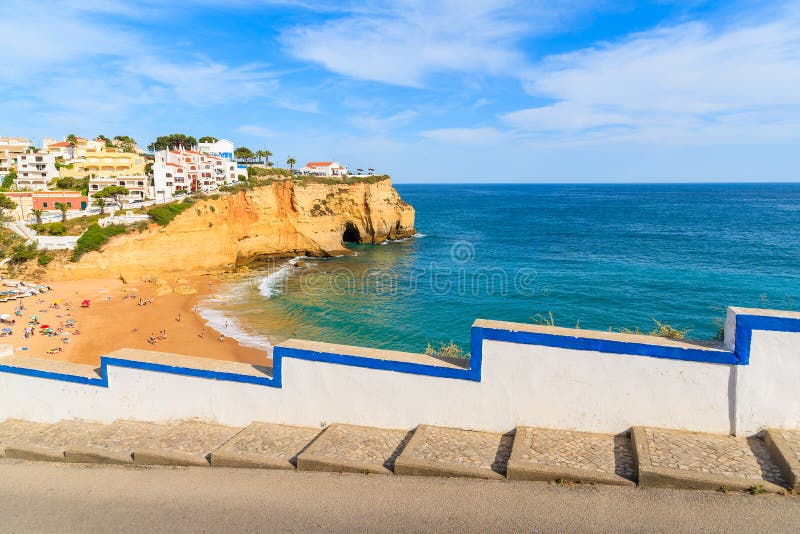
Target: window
69 204
44 204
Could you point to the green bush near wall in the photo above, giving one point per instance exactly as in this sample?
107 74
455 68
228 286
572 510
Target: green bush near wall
164 214
94 237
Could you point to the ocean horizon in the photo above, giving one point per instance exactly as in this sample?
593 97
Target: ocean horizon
617 256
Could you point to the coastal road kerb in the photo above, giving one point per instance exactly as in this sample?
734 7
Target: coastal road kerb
73 498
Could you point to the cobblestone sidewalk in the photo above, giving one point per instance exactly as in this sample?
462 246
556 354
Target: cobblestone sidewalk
649 456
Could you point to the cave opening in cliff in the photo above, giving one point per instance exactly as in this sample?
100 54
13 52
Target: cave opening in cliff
351 234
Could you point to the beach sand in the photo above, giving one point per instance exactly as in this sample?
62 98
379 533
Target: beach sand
113 322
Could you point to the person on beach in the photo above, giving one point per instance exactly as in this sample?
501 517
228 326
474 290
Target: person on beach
151 339
202 333
221 338
178 318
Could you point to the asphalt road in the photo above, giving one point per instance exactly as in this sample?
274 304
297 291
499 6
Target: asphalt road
73 498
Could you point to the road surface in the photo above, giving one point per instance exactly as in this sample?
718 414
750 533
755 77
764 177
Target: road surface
75 498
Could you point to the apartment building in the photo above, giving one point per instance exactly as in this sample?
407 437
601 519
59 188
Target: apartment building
176 171
105 162
35 170
10 148
139 186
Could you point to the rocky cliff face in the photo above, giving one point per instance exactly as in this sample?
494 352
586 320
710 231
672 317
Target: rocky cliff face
283 219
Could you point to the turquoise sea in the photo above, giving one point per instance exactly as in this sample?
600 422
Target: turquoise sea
597 256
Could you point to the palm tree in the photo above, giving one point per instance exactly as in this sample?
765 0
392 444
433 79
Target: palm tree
60 206
72 139
100 202
266 153
38 214
290 162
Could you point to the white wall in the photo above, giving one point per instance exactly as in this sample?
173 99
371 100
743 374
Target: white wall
521 383
768 389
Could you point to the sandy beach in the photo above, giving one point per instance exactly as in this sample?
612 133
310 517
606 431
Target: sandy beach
117 319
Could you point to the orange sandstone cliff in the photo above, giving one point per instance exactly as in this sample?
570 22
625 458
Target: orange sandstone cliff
225 231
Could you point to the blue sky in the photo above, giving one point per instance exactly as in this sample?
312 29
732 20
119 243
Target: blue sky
451 91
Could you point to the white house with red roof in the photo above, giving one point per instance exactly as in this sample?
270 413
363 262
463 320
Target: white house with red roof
323 168
67 151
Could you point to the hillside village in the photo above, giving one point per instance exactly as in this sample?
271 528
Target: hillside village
54 193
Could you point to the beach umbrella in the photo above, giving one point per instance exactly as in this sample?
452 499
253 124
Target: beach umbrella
45 326
4 316
6 330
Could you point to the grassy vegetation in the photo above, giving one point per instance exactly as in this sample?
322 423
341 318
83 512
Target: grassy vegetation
71 227
7 241
447 350
349 180
661 329
164 214
255 172
20 253
72 184
95 237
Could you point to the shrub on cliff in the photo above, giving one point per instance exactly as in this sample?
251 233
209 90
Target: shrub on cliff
94 237
22 252
165 213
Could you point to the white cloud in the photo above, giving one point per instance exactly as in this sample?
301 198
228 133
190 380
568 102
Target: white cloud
204 82
682 83
465 136
255 130
374 123
407 40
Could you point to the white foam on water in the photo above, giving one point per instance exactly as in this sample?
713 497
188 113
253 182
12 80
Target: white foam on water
230 327
273 283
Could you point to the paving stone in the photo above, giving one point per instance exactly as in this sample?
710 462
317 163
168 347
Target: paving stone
545 454
49 443
453 452
16 429
353 449
704 461
784 445
183 443
115 443
265 446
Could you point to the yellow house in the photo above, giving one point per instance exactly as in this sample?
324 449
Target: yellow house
105 162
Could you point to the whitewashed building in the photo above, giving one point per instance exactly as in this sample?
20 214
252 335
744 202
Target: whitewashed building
221 149
176 171
323 168
35 170
10 149
139 186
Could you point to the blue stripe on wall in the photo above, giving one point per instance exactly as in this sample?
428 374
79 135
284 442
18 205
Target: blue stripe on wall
745 324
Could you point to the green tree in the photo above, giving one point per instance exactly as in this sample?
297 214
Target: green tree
6 204
60 206
114 192
172 141
72 139
100 202
291 163
38 214
106 140
208 139
8 179
126 143
244 153
264 154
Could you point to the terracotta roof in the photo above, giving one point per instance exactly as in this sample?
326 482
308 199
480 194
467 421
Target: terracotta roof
319 164
60 144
